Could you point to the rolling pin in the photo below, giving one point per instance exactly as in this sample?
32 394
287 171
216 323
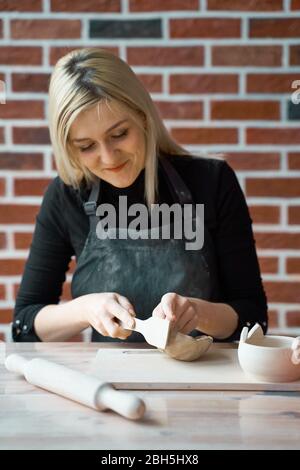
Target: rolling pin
75 385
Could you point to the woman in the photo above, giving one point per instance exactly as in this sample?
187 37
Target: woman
105 129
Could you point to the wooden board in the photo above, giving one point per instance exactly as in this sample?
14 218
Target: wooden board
144 369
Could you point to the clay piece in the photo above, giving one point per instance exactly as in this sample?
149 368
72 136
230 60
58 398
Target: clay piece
186 348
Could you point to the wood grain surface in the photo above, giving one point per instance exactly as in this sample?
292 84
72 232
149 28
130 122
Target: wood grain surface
31 418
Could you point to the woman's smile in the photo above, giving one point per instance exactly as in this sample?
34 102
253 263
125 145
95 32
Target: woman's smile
117 168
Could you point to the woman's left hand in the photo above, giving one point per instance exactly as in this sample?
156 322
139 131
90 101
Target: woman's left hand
179 310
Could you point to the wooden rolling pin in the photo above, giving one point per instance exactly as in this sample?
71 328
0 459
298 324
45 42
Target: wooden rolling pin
75 385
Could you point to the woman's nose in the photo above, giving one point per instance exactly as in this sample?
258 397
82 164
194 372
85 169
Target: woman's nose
106 154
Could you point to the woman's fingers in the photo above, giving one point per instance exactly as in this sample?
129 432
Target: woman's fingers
98 325
189 315
189 326
120 312
158 312
114 330
168 302
126 304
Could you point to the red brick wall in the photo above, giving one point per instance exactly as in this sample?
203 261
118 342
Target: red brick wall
220 72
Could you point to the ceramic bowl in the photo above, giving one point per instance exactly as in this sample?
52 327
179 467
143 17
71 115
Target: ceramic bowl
269 358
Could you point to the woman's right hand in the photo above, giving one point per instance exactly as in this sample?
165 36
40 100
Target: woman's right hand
102 311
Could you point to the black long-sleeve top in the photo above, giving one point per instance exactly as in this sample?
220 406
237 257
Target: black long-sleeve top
62 227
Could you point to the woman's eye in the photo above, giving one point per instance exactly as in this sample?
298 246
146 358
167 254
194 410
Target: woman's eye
84 149
120 135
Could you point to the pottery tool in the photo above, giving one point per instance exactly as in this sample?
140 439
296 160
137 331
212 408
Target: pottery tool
155 330
76 385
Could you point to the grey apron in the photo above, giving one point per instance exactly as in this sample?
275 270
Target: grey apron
143 270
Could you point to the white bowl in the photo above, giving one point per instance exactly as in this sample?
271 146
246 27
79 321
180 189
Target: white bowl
269 358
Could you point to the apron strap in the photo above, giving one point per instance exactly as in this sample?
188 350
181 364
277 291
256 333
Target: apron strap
90 206
177 187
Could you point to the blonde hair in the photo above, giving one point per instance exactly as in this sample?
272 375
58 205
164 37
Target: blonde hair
83 78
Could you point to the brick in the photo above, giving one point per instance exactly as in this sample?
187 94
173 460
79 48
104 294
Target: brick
22 109
16 288
245 5
166 56
148 28
19 55
258 110
259 56
31 135
57 52
268 265
1 135
152 82
166 5
281 291
293 265
274 28
2 186
253 160
30 186
203 83
6 315
3 243
22 240
294 160
11 267
295 55
265 214
18 213
21 161
277 240
273 319
66 293
180 109
295 5
274 136
294 215
271 82
293 318
208 135
205 28
86 6
72 266
34 82
2 292
2 337
24 5
45 29
275 187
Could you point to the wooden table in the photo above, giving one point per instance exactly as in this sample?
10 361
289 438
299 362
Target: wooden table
31 418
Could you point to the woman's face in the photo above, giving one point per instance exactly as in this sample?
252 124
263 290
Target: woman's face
109 144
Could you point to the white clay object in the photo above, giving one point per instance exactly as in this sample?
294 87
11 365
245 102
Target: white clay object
269 358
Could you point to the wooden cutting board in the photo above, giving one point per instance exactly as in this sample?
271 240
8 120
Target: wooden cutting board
149 369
